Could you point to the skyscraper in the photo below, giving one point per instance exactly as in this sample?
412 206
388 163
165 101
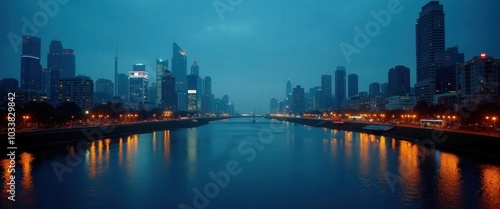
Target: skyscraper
78 89
31 71
116 94
68 64
169 94
103 90
138 81
207 99
195 69
446 76
123 86
161 67
352 85
179 70
399 81
430 44
273 106
193 99
374 89
288 89
298 100
326 91
54 65
340 85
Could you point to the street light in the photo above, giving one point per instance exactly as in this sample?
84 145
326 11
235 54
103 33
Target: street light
26 117
494 125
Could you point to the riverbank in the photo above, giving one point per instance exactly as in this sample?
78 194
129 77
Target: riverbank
31 139
464 143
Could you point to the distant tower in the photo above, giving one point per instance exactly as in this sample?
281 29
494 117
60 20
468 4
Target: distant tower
116 73
340 85
195 69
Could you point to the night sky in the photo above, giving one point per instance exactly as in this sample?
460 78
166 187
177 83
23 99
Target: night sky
254 49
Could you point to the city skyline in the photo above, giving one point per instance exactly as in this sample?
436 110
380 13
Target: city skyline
226 50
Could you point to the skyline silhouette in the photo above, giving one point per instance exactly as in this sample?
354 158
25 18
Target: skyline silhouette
252 53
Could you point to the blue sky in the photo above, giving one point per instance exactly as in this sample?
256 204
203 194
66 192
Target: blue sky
255 49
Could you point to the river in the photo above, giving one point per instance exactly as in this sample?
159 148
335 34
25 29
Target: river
239 164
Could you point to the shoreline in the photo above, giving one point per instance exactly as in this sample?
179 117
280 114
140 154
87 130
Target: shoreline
36 139
482 146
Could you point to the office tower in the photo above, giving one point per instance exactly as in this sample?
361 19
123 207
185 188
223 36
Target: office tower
340 85
195 69
374 89
399 81
352 85
207 101
138 81
316 97
116 74
298 100
193 98
478 79
152 94
161 67
430 41
78 89
326 91
169 94
288 90
68 69
273 106
446 76
31 71
123 86
46 81
103 90
54 65
179 70
384 89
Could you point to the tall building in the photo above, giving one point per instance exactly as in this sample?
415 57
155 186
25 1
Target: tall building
374 89
138 81
315 94
326 91
194 103
399 81
273 106
352 85
430 44
298 100
179 70
7 85
207 98
152 94
161 67
169 94
116 94
123 86
195 69
384 89
340 85
54 65
31 70
68 68
103 90
78 89
478 80
446 76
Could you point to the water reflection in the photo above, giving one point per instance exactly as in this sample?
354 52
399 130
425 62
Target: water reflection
166 145
408 170
98 157
490 186
364 157
192 142
382 161
449 181
26 160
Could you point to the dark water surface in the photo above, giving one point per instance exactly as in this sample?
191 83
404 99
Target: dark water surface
239 164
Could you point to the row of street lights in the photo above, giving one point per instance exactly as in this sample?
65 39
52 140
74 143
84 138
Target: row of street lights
493 119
